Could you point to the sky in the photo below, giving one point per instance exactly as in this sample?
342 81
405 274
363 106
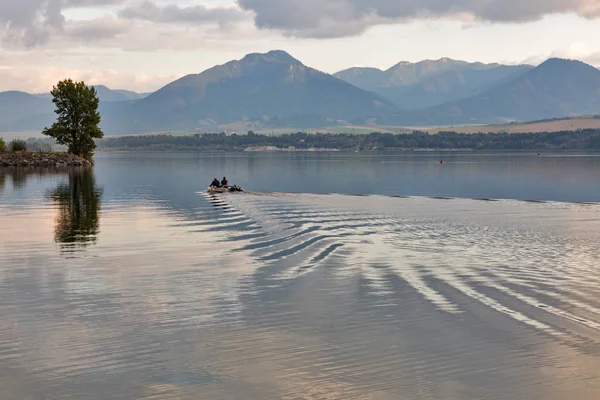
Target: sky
142 45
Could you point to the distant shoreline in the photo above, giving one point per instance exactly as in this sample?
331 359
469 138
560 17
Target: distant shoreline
279 150
416 141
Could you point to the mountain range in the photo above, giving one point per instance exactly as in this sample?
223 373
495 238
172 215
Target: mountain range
555 88
20 111
274 89
259 86
428 83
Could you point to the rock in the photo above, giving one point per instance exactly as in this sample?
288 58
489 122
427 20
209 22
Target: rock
57 160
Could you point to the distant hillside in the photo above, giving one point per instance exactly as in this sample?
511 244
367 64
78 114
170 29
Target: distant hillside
588 139
107 95
259 86
431 82
556 88
274 90
546 125
20 111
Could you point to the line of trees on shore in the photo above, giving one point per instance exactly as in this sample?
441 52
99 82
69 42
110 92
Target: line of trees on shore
31 144
584 139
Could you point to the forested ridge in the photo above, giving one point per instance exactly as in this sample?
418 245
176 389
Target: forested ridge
585 139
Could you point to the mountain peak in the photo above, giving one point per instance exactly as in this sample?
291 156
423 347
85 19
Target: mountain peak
258 86
560 61
401 64
280 56
14 92
564 65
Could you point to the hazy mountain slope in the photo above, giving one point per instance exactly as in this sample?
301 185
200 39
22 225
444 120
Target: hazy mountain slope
430 82
130 94
366 78
107 95
273 84
555 88
279 90
20 111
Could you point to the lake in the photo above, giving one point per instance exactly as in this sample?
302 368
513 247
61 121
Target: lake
334 276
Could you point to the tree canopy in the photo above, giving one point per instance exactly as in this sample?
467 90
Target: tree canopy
585 139
78 117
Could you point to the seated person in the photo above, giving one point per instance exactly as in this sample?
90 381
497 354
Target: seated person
215 183
224 182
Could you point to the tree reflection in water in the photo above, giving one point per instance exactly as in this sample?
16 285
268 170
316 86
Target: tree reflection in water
19 177
78 202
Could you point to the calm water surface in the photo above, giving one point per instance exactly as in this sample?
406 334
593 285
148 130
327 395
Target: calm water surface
478 278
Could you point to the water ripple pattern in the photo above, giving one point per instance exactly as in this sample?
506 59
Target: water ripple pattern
289 296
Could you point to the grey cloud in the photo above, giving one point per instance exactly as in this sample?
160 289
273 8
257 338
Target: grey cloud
150 11
98 29
31 22
336 18
91 3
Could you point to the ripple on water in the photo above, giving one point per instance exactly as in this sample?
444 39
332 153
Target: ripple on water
304 296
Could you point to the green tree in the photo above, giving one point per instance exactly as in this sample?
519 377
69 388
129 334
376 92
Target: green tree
2 145
17 145
78 117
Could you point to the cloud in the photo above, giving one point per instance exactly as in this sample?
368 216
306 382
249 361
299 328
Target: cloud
150 11
91 3
338 18
41 80
29 23
575 51
579 51
34 23
96 29
110 33
593 59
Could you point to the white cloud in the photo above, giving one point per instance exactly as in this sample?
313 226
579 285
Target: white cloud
41 80
576 50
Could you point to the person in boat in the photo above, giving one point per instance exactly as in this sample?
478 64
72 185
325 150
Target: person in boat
224 182
215 183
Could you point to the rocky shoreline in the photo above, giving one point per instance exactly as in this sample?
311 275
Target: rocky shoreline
56 160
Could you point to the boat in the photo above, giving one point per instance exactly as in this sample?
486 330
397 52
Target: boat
230 189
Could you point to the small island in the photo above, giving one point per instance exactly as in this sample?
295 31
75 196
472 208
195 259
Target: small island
76 127
31 159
